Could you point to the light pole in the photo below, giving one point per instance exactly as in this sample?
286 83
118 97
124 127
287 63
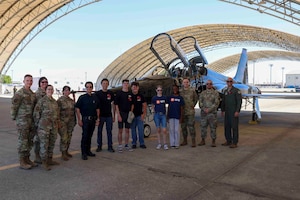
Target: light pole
282 68
271 65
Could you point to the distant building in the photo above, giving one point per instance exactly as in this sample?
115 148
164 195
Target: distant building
292 80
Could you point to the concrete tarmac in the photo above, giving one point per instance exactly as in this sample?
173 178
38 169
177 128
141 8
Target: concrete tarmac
265 166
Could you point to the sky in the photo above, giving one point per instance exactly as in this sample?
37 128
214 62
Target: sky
80 45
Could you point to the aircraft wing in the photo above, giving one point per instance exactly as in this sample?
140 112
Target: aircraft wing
273 95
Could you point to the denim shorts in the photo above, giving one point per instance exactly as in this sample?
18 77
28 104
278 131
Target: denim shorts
160 120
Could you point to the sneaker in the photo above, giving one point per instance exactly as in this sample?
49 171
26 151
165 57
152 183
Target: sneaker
120 148
128 148
99 149
111 150
176 147
166 147
158 146
143 146
173 147
134 146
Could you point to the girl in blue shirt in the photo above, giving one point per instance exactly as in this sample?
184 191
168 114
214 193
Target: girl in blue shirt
159 108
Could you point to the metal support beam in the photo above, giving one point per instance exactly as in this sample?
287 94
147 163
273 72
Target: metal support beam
283 9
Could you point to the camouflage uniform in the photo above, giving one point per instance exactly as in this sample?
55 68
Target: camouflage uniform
190 99
67 121
209 99
21 110
46 118
40 93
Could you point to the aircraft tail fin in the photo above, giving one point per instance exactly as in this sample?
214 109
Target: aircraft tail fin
241 75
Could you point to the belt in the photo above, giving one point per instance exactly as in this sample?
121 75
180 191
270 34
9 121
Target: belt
89 117
160 113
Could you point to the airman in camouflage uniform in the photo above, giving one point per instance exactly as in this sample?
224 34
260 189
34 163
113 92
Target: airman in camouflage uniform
190 99
208 103
67 121
46 118
40 93
21 110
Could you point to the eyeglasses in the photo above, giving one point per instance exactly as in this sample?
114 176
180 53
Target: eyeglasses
88 87
208 83
229 81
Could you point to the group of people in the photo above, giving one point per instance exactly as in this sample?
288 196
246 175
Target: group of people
181 110
95 109
231 102
39 118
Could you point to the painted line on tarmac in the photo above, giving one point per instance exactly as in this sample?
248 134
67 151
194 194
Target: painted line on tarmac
6 167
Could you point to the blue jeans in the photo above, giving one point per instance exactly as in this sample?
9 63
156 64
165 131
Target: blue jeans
139 124
108 121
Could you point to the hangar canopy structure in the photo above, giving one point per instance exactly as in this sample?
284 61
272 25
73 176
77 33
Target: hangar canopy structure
282 9
22 20
137 61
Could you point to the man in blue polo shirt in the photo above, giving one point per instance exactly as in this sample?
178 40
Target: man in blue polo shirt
87 111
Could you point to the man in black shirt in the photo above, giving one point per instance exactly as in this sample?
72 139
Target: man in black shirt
123 104
106 98
139 109
87 106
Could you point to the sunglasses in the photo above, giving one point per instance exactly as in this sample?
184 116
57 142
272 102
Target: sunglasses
229 81
44 82
158 90
208 83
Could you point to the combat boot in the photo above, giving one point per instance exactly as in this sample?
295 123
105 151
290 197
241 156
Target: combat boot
64 156
193 142
213 143
184 142
202 142
38 158
68 154
52 162
45 165
23 164
28 161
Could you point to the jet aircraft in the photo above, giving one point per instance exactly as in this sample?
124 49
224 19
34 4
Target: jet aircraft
193 66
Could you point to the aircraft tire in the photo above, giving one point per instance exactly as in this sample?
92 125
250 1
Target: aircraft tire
147 130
